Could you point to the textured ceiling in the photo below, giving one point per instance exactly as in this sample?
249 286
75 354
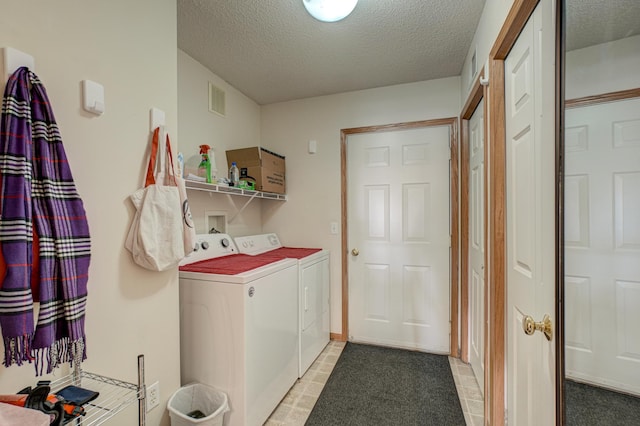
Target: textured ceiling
592 22
272 50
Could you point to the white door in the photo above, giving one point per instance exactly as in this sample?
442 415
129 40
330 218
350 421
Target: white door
530 219
398 221
602 245
476 244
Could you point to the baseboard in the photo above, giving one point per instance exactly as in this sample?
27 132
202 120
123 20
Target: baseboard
337 337
611 385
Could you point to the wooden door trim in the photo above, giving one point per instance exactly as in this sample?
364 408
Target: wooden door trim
516 20
603 98
452 122
560 106
475 96
496 245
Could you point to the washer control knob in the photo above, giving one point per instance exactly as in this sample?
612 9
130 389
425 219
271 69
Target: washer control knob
224 242
205 245
197 247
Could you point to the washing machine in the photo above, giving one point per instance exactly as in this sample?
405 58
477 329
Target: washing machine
239 326
313 290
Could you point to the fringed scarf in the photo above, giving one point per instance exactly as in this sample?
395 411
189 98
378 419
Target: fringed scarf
38 196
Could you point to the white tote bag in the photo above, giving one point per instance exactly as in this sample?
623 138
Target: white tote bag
189 229
155 237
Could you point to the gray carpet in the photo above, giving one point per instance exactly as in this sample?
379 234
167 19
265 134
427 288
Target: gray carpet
593 406
372 386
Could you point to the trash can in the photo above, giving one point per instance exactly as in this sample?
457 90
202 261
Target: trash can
197 404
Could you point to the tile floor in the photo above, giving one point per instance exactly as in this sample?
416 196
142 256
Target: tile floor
298 403
469 393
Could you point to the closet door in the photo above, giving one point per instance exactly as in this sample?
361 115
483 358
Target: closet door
602 245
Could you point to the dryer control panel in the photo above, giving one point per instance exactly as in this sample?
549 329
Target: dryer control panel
258 244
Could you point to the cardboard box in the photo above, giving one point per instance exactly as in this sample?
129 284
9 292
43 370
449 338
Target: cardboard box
265 167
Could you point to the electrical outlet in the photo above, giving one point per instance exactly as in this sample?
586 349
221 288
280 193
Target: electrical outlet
153 396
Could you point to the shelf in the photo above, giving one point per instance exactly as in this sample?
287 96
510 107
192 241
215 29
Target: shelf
229 190
115 396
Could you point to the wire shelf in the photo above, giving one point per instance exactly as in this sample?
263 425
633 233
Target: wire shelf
115 396
209 187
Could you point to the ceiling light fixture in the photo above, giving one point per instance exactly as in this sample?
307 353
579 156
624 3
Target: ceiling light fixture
329 10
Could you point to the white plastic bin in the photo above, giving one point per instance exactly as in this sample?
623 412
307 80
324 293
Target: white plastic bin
197 404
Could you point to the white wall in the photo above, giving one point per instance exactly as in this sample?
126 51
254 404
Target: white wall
130 48
603 68
313 181
593 70
239 128
491 21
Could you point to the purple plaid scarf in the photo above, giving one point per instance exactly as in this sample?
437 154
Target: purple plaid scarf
37 190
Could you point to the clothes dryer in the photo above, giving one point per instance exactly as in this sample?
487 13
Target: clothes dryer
239 326
313 290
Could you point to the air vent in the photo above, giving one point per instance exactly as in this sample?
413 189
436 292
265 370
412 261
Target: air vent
217 101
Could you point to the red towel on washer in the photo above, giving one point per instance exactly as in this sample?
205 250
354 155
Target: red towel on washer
228 265
290 253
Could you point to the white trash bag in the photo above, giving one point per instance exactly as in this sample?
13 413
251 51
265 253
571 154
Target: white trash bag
198 404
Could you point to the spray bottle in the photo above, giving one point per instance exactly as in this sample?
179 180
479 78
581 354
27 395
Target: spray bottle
204 168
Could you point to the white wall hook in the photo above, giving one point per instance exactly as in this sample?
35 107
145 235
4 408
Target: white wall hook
156 118
97 108
484 80
312 147
10 60
93 97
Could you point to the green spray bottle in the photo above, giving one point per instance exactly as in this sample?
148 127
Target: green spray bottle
204 168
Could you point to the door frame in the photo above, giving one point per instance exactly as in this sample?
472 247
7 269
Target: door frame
516 20
452 123
476 95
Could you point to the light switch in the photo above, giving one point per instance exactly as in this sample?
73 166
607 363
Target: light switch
313 146
334 228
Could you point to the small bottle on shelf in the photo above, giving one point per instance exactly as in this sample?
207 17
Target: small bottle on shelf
204 168
234 175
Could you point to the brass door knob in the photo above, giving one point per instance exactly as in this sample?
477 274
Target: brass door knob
530 326
355 252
